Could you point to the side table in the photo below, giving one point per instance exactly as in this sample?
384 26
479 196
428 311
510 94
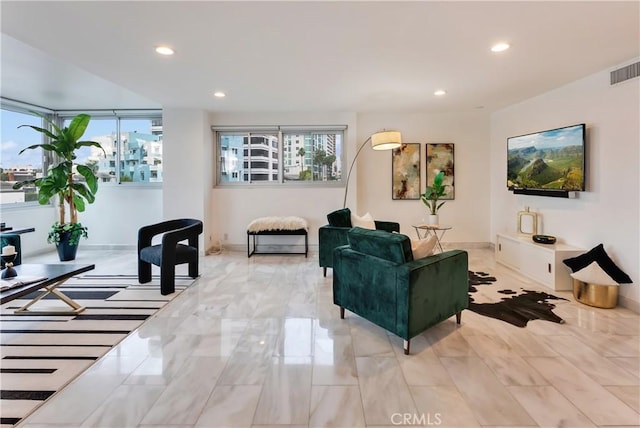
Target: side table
432 229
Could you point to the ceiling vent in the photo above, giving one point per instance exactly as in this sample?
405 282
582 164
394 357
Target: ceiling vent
625 73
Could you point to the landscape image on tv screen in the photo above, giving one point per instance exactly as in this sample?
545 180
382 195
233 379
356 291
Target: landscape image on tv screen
551 160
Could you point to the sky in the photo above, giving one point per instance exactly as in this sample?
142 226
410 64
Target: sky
13 139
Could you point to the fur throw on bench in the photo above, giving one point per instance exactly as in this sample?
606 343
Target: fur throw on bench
277 223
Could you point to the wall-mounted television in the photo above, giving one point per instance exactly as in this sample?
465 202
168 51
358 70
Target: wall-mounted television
547 163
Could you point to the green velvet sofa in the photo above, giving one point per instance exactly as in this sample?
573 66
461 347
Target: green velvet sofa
376 277
334 235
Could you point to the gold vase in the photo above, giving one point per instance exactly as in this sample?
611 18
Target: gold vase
597 295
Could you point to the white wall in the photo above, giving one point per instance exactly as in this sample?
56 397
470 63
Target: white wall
370 183
41 217
468 213
118 212
187 158
608 212
113 219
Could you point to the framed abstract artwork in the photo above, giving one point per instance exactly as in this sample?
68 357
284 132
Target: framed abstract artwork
440 158
405 171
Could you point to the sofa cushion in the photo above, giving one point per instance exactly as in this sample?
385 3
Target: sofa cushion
394 247
593 274
340 218
423 247
599 255
365 222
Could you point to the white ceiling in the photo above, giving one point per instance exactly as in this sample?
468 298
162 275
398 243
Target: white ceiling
306 56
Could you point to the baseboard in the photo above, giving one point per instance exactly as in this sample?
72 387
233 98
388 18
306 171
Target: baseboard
467 245
628 303
120 247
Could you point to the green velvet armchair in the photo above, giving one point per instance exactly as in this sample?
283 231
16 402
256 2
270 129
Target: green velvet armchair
376 277
334 235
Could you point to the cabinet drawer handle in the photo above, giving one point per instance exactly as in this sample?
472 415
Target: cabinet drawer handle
549 267
499 247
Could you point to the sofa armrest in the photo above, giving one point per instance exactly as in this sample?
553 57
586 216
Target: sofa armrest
443 280
330 237
388 226
366 285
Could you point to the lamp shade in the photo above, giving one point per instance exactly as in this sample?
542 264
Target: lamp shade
386 140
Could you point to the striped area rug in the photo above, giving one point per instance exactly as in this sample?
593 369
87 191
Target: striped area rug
40 354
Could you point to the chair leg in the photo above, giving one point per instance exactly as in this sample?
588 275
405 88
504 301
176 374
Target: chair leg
144 272
324 271
167 279
193 269
407 345
458 317
341 313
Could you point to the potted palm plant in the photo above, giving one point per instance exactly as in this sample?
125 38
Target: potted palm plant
73 184
432 195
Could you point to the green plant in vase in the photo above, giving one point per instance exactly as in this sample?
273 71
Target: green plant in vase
73 184
432 196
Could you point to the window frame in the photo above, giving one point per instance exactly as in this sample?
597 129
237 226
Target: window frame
58 117
279 132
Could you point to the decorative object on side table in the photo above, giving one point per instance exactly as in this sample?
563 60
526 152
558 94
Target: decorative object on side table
8 256
72 183
432 195
528 223
544 239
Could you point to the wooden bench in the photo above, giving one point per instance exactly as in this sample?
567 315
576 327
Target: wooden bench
277 226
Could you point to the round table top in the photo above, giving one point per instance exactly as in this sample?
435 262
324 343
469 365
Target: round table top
433 226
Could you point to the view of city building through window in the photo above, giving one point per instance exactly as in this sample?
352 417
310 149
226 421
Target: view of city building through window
14 167
247 157
139 149
134 157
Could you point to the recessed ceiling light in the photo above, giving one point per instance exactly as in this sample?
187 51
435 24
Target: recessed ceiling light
499 47
440 92
164 50
219 94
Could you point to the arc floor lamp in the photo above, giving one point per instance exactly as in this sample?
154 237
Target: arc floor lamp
383 140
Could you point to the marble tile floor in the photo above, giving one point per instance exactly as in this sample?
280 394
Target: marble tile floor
258 343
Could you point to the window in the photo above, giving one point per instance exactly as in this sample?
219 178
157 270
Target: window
134 157
280 156
103 131
141 150
258 161
15 167
313 156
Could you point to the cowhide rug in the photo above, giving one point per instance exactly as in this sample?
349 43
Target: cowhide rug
518 309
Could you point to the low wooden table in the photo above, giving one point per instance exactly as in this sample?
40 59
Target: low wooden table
55 274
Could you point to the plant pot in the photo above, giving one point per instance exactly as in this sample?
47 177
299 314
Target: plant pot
433 219
66 252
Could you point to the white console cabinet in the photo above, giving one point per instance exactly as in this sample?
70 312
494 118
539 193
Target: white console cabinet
540 262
